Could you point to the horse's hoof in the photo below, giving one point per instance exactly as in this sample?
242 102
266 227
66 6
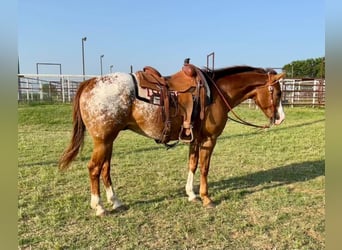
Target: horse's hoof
195 200
210 205
101 213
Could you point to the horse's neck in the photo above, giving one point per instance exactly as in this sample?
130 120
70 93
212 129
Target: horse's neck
240 87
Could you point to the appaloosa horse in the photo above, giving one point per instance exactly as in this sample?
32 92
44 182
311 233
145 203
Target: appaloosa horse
106 105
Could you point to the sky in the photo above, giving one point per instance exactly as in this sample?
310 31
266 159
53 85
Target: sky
263 33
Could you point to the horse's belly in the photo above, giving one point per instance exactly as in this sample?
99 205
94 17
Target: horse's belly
147 119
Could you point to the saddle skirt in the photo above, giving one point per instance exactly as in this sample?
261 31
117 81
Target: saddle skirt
151 78
148 92
148 85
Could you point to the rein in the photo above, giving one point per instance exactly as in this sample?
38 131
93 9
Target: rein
238 118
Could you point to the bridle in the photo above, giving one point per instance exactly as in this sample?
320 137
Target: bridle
269 84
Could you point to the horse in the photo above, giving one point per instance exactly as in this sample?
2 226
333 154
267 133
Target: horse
106 105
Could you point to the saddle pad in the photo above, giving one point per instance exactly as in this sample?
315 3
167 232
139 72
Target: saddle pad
146 94
207 88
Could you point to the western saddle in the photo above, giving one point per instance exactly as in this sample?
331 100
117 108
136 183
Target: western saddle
188 87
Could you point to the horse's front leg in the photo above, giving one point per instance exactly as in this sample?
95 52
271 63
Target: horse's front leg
193 162
205 152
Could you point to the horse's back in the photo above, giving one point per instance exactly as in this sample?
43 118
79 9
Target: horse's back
106 103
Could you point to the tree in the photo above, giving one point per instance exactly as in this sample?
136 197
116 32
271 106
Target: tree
309 68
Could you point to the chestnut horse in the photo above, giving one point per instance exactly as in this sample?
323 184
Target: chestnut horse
106 105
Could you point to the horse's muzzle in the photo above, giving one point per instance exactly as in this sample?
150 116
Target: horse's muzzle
280 118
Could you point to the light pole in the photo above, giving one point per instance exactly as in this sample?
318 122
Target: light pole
83 40
101 62
111 68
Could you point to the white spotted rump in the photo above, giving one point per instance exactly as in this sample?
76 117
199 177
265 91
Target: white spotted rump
111 95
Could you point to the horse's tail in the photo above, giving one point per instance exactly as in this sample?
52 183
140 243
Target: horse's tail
78 132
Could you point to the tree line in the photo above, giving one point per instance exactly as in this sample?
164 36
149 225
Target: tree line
309 68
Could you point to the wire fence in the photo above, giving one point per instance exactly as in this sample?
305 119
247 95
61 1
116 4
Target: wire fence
62 88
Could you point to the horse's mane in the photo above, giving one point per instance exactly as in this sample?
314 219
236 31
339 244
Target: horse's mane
217 73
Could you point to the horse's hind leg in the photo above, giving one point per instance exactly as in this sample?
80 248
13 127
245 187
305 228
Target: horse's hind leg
100 164
111 197
95 167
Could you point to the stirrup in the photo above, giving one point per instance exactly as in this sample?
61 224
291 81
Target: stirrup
185 138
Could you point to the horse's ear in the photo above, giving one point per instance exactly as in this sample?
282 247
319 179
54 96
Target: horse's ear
278 76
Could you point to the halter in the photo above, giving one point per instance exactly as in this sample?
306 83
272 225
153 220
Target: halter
268 84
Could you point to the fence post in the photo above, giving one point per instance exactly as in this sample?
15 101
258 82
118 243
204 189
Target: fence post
68 81
314 93
63 94
32 97
27 90
293 92
50 95
40 90
300 83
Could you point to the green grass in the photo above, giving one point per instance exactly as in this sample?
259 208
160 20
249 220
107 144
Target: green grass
268 187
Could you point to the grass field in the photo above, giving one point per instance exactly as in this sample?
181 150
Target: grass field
268 187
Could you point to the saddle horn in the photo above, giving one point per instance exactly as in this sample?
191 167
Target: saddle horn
189 69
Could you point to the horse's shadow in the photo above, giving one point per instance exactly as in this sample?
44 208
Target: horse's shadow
221 190
266 179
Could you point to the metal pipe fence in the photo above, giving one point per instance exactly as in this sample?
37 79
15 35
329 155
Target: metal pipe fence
62 88
301 92
48 88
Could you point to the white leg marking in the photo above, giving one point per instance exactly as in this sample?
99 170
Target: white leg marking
281 114
189 186
112 199
96 204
